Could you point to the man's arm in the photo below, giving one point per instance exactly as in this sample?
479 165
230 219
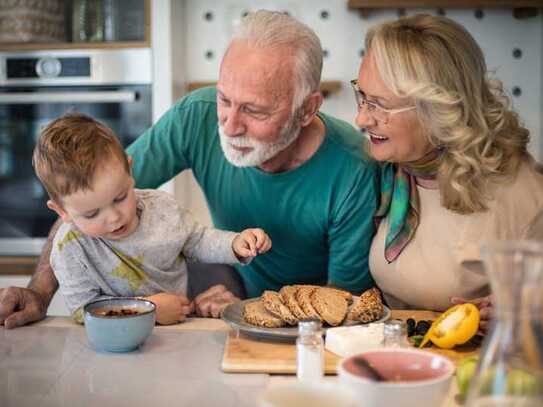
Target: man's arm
159 153
20 306
43 280
351 233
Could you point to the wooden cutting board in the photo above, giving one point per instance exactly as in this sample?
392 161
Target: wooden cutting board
244 354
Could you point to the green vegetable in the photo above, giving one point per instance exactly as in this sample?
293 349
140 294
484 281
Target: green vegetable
521 382
416 340
464 373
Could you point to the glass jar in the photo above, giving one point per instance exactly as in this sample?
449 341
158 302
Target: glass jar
395 334
87 21
510 370
309 351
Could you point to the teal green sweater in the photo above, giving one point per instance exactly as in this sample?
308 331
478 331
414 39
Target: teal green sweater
319 215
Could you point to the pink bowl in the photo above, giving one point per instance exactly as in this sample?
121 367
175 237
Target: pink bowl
411 375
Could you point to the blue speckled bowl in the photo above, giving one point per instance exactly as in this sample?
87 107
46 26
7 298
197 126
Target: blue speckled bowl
121 333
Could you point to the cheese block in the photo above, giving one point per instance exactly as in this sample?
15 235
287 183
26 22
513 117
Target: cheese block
349 340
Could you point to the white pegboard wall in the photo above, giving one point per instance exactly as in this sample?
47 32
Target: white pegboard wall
513 47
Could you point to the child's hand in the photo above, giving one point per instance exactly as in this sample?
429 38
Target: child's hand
251 242
171 308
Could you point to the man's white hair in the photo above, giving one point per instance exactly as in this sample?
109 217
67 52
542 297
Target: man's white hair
269 29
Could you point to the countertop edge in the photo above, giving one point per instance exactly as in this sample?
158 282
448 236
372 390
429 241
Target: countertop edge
191 324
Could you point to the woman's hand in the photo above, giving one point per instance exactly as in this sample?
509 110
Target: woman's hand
251 242
486 309
171 308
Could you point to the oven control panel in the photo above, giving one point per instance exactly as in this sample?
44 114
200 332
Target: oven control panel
47 67
76 67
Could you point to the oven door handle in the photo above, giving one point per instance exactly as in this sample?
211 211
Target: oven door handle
68 97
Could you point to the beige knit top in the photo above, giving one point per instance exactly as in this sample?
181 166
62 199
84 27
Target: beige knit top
443 259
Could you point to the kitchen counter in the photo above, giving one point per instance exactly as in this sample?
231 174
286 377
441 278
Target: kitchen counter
20 265
51 364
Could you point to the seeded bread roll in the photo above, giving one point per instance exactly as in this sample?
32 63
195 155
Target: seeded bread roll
288 295
369 307
256 314
273 304
330 305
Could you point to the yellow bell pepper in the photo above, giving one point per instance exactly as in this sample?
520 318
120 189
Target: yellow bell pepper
455 326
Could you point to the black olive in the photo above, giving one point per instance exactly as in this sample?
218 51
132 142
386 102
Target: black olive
410 326
422 327
477 340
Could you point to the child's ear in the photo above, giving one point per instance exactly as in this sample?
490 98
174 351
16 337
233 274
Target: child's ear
59 210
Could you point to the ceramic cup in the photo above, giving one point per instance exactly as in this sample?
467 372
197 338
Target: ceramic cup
313 394
413 377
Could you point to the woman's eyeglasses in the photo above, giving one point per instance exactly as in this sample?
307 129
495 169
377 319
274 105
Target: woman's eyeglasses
373 109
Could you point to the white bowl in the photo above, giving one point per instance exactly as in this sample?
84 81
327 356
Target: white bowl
414 377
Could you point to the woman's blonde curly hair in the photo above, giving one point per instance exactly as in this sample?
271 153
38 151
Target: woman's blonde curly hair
438 65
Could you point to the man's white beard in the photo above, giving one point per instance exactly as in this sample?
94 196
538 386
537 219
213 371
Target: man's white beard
261 152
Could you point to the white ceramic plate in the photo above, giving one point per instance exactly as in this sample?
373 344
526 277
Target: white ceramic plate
233 314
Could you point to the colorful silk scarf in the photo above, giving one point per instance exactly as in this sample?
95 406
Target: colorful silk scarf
400 199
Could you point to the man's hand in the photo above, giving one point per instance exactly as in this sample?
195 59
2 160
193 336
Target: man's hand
211 302
251 242
486 310
171 308
20 306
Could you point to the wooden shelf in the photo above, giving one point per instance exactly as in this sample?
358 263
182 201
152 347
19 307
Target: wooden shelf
33 46
356 4
37 46
10 265
327 87
521 8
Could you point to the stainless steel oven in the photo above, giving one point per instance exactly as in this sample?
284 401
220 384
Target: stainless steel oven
114 86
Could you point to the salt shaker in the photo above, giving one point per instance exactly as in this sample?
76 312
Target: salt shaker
309 351
395 334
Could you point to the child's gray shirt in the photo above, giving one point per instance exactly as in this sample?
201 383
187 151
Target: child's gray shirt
153 259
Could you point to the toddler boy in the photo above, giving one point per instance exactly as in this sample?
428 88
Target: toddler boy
117 240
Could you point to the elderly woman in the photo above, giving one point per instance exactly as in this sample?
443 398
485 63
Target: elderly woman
455 168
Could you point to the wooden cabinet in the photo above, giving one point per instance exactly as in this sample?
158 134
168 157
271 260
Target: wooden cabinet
521 8
143 40
445 3
12 265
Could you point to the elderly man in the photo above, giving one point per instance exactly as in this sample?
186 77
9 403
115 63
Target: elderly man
264 156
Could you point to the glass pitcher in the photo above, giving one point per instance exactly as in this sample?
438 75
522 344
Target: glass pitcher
510 370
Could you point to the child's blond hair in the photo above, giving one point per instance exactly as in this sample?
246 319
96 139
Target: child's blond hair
69 151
